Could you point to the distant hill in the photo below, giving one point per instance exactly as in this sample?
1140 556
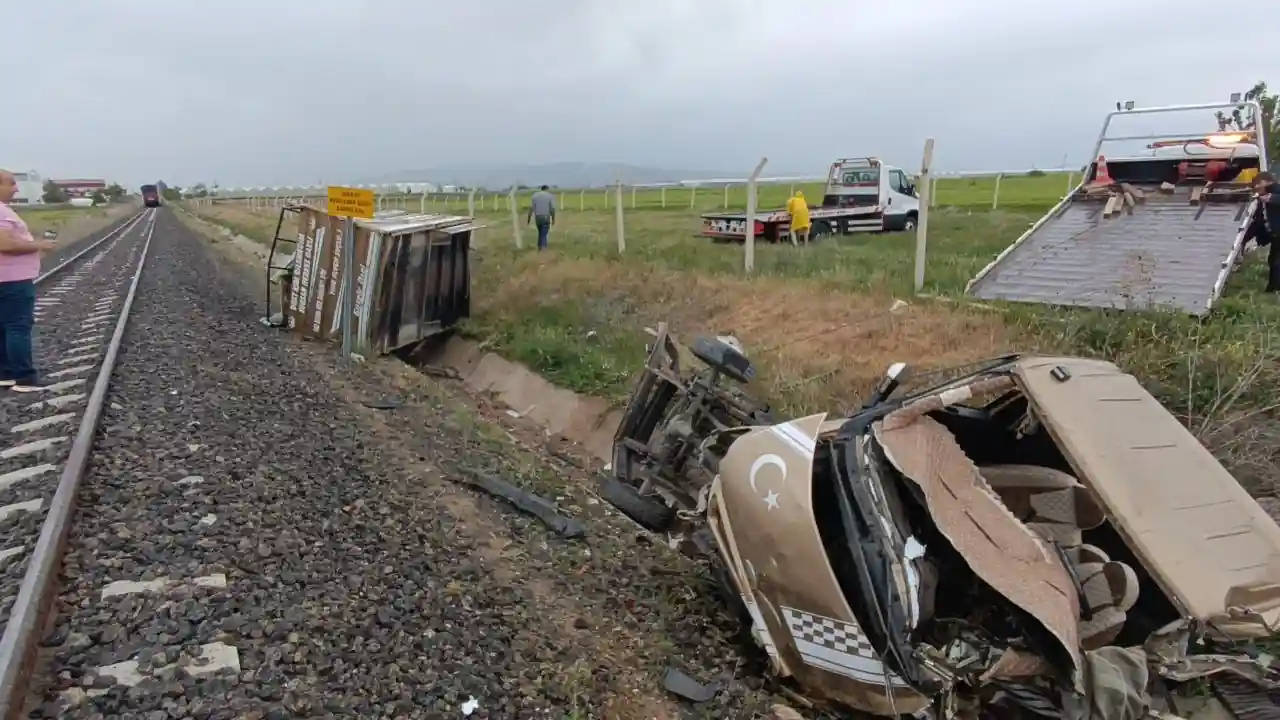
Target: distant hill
563 174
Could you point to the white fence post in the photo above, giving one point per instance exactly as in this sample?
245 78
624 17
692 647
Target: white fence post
471 203
606 198
422 203
933 193
515 217
995 197
726 197
922 223
633 197
664 198
582 199
622 240
693 196
749 228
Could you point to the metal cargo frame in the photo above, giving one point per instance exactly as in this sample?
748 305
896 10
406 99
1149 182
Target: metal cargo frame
413 276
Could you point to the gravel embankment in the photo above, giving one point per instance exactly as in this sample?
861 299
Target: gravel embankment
76 313
306 556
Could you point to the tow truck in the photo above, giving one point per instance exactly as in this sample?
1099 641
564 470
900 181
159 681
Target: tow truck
863 194
1157 231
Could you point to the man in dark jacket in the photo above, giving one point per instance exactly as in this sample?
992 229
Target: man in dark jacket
1265 227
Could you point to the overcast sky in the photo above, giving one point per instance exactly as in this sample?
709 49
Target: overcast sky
301 91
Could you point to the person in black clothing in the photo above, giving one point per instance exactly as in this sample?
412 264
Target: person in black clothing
1265 227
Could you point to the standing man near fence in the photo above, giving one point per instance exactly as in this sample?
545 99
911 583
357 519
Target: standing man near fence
798 209
19 267
542 210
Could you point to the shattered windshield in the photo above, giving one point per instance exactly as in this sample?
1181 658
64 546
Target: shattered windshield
927 382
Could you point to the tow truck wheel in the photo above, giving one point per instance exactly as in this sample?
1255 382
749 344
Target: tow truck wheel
910 224
820 229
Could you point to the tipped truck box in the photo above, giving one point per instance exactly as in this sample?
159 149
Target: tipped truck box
413 277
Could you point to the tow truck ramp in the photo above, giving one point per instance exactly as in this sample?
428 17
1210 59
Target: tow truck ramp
1163 253
1159 230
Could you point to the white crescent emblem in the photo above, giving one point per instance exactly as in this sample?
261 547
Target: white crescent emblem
771 500
766 459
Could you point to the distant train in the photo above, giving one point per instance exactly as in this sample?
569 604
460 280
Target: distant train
151 196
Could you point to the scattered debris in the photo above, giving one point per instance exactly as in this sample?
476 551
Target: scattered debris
387 404
523 500
782 712
439 371
677 682
470 706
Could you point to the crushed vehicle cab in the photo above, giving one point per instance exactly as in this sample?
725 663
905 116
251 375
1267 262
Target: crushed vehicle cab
1038 535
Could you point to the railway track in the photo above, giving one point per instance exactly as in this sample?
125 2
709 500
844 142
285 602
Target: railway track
245 546
82 308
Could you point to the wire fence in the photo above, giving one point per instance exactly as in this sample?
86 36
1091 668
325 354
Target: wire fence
1022 188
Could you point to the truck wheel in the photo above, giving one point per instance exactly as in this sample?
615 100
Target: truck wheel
909 225
820 229
649 513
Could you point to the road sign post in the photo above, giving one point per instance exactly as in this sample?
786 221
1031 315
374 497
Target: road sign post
350 203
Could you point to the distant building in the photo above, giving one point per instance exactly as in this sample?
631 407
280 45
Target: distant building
30 189
81 187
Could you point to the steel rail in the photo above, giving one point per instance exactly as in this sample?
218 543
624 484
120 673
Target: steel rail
23 632
124 227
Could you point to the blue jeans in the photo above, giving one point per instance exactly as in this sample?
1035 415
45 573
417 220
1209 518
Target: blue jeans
17 315
544 229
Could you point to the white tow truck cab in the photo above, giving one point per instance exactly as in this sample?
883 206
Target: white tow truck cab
862 195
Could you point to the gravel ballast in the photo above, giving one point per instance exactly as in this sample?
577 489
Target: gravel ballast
76 313
254 542
78 236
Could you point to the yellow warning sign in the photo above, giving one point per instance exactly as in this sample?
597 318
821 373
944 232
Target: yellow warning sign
350 202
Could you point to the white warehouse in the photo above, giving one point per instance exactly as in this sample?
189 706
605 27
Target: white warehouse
30 188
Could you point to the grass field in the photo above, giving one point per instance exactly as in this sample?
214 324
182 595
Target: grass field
1021 191
41 219
818 320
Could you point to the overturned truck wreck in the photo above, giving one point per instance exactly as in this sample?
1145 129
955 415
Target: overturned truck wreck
1038 537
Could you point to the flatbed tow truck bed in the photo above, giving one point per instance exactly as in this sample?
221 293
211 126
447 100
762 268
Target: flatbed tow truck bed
773 225
1168 251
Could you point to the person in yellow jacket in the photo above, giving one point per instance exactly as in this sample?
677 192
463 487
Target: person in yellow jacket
798 209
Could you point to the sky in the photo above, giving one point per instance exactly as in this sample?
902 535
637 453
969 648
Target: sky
246 92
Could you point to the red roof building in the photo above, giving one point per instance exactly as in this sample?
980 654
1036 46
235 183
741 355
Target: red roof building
80 187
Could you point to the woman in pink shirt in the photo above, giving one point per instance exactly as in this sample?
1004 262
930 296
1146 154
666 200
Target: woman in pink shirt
19 267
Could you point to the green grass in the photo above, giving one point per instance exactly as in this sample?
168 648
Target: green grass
1020 191
577 314
42 219
1218 374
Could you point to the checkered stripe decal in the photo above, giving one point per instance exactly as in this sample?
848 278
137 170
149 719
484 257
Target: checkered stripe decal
837 635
